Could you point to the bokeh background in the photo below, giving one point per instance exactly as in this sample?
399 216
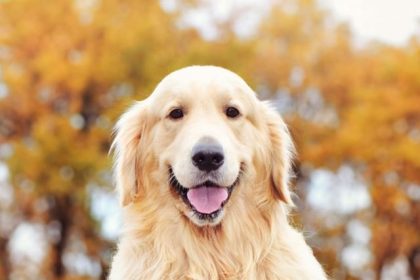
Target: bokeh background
349 90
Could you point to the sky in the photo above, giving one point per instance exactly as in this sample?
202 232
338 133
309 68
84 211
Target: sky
389 21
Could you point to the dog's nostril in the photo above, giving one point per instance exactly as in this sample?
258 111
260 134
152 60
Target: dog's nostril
208 160
217 159
199 158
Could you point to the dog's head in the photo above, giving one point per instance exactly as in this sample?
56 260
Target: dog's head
202 138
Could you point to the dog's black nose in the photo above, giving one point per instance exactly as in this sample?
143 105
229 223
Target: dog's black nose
207 157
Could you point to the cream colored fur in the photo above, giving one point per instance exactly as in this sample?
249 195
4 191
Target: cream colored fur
160 238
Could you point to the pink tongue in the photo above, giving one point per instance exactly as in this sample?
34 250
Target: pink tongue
207 199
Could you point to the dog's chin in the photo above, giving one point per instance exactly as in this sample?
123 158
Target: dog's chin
201 218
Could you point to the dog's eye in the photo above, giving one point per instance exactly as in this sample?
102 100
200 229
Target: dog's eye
232 112
176 114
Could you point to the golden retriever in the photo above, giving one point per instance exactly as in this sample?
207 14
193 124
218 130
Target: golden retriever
202 169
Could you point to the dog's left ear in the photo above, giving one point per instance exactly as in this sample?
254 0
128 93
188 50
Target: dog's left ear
281 153
129 152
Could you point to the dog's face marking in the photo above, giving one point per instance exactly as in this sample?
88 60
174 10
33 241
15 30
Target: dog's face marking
204 127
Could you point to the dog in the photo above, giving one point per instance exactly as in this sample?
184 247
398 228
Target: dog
202 169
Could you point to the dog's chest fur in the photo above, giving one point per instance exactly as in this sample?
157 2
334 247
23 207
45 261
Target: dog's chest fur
238 251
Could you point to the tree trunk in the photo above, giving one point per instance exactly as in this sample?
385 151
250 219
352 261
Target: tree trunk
4 259
60 212
414 263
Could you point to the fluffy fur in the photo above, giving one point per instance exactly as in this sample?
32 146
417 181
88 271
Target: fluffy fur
161 237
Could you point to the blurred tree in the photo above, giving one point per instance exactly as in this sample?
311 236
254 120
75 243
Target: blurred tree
376 96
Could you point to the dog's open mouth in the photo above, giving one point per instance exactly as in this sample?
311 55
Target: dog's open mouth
206 200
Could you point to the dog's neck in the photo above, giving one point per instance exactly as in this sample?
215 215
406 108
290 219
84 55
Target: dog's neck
242 235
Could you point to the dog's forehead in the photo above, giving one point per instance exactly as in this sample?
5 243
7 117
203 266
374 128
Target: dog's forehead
190 82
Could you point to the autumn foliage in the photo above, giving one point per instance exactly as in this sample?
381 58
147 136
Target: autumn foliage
69 68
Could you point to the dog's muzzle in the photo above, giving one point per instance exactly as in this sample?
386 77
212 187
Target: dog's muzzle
206 200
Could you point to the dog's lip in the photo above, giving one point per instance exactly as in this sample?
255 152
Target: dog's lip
182 192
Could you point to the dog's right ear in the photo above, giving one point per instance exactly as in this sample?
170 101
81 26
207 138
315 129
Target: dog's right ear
129 132
281 152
